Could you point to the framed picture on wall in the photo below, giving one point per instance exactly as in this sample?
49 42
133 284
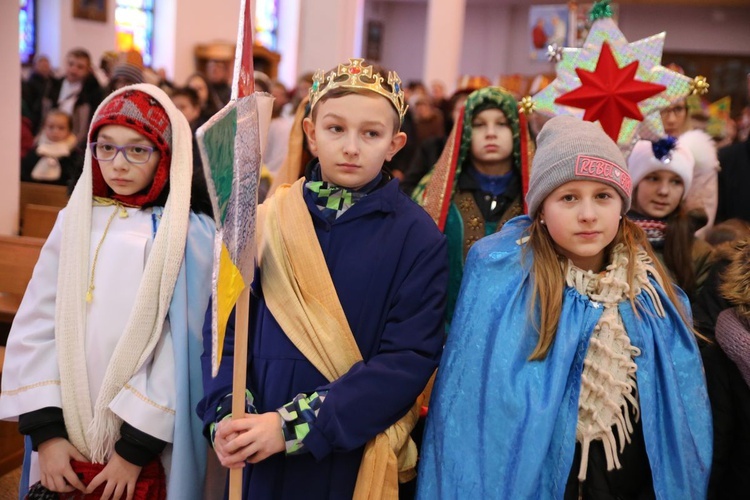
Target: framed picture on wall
548 24
580 23
94 10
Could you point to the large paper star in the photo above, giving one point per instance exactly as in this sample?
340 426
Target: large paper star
646 52
610 93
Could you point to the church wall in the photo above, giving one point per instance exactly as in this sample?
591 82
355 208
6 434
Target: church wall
496 39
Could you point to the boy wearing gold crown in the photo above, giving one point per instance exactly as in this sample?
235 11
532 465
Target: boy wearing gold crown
346 321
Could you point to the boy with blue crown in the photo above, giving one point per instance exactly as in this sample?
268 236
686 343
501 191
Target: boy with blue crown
346 317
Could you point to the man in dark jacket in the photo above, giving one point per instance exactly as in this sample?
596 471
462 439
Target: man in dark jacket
78 93
35 88
735 172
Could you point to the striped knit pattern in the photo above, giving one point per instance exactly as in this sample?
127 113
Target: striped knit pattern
733 335
655 229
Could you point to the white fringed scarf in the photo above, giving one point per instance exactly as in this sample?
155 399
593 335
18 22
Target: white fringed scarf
93 430
608 382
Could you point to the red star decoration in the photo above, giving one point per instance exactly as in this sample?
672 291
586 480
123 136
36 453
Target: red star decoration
609 93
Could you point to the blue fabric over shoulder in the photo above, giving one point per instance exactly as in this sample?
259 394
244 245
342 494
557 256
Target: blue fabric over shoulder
526 449
186 314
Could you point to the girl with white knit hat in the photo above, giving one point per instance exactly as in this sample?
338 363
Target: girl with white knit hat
703 194
571 370
662 174
102 368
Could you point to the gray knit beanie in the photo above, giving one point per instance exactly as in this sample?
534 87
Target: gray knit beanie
129 73
570 149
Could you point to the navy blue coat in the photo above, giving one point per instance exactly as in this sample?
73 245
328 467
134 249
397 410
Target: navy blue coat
389 264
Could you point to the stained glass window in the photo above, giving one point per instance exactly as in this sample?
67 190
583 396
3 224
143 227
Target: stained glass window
134 26
267 23
27 30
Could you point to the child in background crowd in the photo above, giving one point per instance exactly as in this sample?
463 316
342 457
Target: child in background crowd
187 101
703 196
728 374
662 174
479 175
54 159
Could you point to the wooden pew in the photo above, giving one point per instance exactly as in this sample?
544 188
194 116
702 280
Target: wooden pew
11 441
43 194
38 220
18 256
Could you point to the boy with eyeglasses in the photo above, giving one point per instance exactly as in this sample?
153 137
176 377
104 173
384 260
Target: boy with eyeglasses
77 93
98 371
675 119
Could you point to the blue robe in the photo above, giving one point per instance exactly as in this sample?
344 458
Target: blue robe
501 426
388 263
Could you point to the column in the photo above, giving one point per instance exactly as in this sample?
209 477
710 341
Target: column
176 65
10 104
288 41
197 22
330 32
445 28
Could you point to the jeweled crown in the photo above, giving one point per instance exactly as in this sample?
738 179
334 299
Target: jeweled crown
355 75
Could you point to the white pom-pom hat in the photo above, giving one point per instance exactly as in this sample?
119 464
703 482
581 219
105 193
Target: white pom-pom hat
643 161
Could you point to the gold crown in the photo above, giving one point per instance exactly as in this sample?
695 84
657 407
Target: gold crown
356 76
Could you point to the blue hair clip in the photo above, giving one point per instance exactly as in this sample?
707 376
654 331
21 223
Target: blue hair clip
663 148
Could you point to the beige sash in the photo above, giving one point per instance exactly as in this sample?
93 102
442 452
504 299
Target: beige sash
301 296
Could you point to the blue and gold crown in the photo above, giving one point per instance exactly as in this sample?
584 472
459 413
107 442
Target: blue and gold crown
355 75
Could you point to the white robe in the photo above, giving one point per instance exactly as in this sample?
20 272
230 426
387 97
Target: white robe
31 377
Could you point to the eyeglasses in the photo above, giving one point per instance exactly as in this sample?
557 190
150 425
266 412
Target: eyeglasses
133 153
677 110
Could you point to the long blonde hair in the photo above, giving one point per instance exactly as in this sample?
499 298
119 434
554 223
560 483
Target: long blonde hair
549 277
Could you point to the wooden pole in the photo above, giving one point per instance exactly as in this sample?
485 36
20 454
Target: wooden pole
239 379
243 86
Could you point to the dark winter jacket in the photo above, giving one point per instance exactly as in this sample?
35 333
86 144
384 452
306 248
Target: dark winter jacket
734 174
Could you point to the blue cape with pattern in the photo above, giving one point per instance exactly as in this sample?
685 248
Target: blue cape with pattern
501 426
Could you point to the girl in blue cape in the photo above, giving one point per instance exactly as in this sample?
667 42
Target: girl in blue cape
571 370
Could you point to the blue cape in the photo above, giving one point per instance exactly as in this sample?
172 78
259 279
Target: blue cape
526 448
